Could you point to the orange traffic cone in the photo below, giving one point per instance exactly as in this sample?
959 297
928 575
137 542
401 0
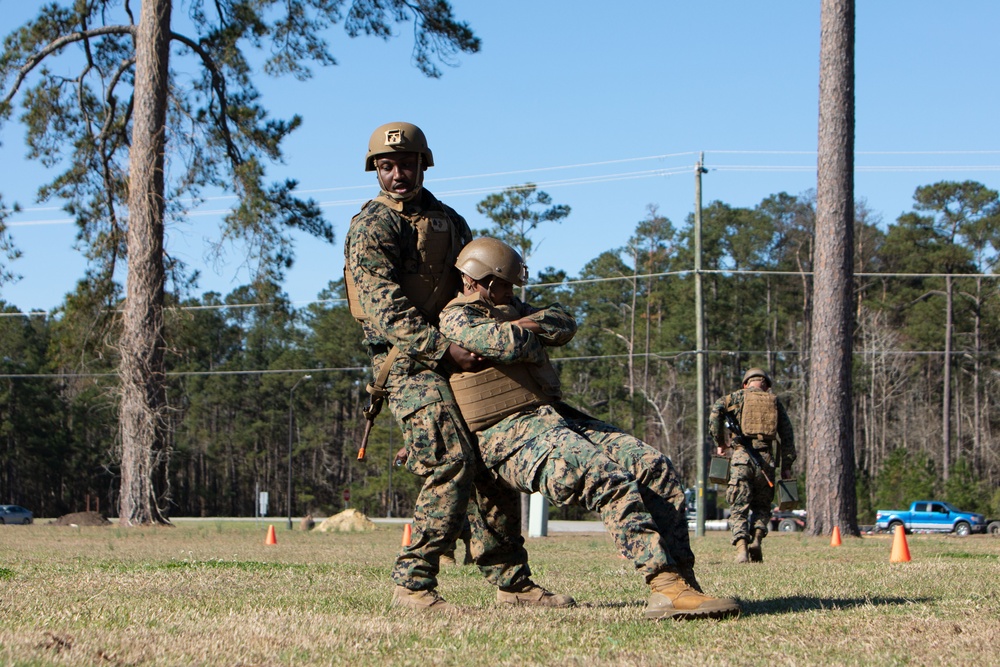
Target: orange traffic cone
270 539
835 539
407 531
900 550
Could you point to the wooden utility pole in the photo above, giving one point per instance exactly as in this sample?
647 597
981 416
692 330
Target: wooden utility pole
699 305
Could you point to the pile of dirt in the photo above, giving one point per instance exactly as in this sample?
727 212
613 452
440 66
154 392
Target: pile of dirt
81 519
348 521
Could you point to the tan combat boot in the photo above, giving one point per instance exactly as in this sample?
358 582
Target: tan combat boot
687 574
530 593
421 600
673 598
753 549
741 551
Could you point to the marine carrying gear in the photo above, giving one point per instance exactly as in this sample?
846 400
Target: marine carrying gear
397 138
486 256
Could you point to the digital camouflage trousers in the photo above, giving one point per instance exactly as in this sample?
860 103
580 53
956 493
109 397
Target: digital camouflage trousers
749 495
456 484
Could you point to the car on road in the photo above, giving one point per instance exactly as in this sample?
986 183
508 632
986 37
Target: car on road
931 516
15 514
788 522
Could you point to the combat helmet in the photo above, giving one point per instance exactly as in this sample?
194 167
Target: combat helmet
397 138
487 256
756 373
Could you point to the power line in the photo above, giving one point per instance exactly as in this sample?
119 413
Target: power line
565 283
169 374
586 180
664 355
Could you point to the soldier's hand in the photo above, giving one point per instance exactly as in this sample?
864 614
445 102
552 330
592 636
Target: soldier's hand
463 359
720 450
530 325
401 457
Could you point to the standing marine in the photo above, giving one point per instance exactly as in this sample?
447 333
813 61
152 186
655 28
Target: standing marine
763 420
400 252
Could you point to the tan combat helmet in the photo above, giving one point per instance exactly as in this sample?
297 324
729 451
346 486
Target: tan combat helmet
485 256
756 373
397 138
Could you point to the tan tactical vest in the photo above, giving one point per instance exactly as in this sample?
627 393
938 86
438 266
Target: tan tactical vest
759 417
430 282
486 397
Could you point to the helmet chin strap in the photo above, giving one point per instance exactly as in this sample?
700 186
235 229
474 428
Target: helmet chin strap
489 289
471 284
412 194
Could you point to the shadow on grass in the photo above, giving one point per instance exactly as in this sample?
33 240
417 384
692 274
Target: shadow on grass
796 603
610 605
784 605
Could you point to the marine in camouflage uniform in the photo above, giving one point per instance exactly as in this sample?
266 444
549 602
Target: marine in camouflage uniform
545 446
399 252
748 492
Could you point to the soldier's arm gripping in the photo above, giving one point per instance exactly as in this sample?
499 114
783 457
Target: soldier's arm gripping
471 325
554 325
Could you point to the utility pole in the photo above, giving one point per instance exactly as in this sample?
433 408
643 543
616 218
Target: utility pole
699 305
291 415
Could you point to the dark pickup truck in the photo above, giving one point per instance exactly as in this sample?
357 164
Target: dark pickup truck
931 516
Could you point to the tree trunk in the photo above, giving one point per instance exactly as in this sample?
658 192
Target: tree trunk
831 493
143 398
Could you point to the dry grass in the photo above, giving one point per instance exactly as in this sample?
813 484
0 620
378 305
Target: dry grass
211 593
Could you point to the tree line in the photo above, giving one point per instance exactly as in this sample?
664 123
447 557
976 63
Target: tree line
154 89
239 407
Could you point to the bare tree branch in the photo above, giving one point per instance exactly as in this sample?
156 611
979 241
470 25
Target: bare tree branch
55 45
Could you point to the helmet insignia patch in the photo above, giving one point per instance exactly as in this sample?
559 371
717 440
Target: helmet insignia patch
394 137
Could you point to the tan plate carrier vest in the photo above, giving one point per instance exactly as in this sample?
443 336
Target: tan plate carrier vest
486 397
759 417
432 283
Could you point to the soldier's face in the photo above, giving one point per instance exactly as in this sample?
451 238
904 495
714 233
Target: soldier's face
499 291
398 173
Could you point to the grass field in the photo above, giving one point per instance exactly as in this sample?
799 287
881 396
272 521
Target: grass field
212 593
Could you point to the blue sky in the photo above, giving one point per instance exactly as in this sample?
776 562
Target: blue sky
607 110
